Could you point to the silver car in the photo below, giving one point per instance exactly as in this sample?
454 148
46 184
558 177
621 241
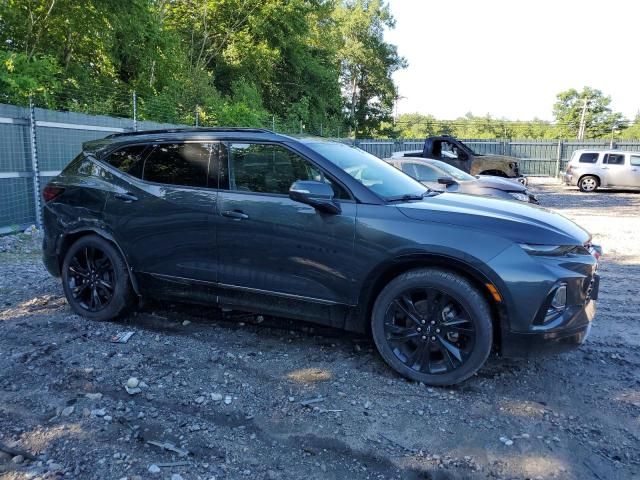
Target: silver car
591 169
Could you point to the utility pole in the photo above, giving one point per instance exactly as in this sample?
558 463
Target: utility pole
197 116
582 128
613 129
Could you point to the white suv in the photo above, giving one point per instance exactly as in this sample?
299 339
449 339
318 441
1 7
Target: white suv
590 170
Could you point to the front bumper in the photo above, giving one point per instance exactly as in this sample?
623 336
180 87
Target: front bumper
571 334
529 324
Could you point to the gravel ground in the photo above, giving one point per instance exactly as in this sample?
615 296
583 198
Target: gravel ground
232 396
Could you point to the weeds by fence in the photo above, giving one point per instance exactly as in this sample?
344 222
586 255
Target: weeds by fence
35 144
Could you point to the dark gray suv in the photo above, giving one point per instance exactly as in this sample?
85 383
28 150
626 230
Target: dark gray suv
318 231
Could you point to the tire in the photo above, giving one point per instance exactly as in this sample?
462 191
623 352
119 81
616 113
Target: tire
91 265
444 314
588 183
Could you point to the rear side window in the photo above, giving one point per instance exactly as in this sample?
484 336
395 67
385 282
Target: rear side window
129 159
185 164
635 160
588 158
614 159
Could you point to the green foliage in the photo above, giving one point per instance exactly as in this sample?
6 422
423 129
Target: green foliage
599 118
416 125
21 77
367 63
236 62
632 130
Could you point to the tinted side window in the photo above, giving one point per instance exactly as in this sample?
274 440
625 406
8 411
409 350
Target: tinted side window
185 164
219 168
129 159
635 160
267 168
588 158
614 159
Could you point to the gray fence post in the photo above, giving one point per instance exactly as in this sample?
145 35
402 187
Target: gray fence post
558 158
34 163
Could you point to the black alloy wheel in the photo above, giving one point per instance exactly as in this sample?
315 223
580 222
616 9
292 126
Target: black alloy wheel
95 279
429 331
91 278
432 326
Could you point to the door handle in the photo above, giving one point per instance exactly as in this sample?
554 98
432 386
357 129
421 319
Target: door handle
126 197
235 214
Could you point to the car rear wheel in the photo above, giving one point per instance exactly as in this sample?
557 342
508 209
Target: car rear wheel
95 279
432 326
588 183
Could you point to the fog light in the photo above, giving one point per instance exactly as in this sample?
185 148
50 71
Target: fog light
559 300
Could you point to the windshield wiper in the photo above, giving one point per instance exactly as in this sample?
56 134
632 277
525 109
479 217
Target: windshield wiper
407 197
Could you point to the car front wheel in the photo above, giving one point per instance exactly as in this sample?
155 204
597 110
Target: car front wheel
95 279
432 326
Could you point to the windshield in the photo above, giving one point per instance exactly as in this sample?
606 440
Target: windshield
452 171
382 178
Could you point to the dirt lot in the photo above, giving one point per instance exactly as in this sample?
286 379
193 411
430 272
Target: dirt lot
228 393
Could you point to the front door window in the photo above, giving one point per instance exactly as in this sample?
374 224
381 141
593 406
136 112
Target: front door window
267 168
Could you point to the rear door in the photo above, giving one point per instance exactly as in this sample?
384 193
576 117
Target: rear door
617 171
163 218
273 247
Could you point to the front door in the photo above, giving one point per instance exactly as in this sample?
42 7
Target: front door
274 249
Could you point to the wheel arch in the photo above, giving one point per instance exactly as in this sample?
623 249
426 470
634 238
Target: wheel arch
494 172
384 273
594 175
69 238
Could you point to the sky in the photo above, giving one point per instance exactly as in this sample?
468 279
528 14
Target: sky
511 58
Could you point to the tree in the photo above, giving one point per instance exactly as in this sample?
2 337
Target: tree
599 119
632 132
242 62
367 63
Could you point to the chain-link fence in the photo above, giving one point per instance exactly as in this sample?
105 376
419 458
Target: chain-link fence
37 143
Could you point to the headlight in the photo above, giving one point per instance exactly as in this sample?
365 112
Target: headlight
519 196
548 250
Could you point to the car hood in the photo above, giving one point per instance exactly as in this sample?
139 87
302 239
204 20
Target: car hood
517 221
506 184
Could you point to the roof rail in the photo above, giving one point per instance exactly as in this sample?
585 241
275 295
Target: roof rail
191 129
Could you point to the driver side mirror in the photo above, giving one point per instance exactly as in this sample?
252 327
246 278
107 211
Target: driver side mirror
446 181
317 194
